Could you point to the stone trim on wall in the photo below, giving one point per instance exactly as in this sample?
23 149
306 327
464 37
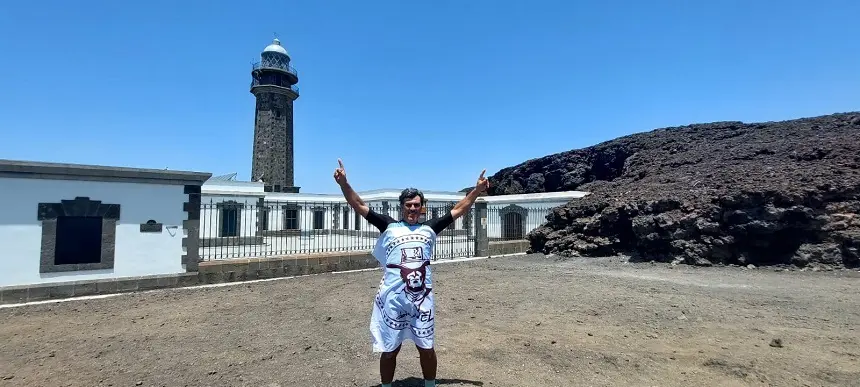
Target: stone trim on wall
191 226
48 214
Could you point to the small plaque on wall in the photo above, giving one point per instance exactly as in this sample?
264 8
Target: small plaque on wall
151 226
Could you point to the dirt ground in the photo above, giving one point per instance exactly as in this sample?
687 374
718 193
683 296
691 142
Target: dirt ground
513 321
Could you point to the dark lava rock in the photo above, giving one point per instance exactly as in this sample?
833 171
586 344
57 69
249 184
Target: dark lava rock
721 193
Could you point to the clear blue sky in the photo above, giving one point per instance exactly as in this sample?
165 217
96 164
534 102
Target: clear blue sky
408 93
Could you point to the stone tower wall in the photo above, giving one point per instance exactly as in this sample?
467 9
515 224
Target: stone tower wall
273 139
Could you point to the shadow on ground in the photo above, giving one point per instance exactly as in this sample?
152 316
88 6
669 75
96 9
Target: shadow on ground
416 382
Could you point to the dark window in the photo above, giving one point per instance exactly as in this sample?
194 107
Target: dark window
264 219
319 219
230 221
357 222
512 226
291 219
78 234
346 218
79 240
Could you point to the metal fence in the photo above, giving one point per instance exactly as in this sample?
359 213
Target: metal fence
515 221
256 228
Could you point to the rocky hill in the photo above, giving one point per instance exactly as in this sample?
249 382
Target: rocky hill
721 193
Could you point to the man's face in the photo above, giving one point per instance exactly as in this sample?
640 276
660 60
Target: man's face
412 210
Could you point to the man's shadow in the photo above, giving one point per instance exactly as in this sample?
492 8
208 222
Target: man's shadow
416 382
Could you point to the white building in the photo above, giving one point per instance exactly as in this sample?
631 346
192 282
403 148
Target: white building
70 223
239 219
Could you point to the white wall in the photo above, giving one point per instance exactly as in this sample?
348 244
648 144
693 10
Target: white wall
232 187
210 214
304 214
535 215
136 253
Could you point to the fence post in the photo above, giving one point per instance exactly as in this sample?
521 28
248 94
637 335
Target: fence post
482 242
261 207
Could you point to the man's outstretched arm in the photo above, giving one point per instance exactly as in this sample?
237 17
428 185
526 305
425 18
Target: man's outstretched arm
351 196
466 203
354 200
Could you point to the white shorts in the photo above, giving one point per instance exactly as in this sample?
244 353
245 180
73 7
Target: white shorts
402 316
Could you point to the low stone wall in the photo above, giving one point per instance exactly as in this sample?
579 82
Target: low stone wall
39 292
210 272
509 247
231 241
229 270
220 271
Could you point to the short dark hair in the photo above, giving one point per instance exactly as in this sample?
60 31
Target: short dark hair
410 193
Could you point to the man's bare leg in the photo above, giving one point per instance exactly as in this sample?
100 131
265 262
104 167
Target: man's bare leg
387 365
428 363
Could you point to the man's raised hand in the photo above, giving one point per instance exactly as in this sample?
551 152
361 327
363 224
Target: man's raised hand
483 184
340 173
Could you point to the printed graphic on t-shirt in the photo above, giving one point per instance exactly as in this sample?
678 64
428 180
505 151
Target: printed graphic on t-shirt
412 237
404 301
411 254
413 277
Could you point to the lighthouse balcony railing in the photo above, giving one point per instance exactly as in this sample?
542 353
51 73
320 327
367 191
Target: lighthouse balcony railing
263 65
256 82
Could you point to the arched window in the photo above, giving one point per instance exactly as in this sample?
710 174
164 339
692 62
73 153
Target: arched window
512 226
513 218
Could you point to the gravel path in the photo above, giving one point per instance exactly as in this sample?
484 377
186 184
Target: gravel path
514 321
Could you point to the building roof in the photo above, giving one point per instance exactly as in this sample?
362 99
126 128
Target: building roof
276 47
227 177
61 171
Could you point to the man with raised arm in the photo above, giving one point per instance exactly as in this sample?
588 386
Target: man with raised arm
403 306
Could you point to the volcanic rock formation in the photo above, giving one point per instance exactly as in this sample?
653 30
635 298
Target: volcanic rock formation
721 193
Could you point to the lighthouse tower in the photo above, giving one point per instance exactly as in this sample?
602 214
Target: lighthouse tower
274 86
